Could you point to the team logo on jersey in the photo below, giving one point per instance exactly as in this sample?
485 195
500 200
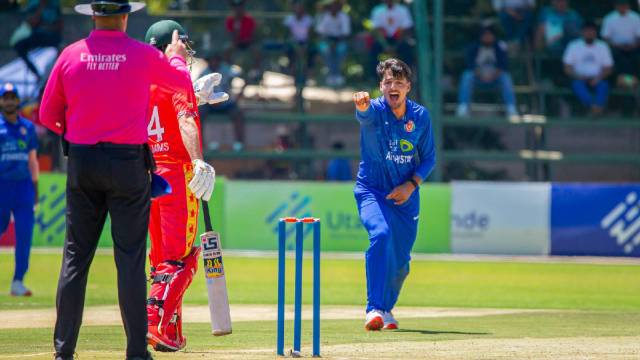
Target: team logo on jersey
405 145
409 126
23 130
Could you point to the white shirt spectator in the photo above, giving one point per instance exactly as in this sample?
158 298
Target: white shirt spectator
588 60
500 5
621 30
334 26
392 19
299 27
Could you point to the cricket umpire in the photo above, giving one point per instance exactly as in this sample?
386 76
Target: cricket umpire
96 98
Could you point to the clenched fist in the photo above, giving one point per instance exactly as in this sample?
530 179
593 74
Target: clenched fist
362 101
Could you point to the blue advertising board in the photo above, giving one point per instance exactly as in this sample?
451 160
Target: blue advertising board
598 220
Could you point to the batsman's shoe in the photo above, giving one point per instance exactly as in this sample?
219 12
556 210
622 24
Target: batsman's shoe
374 320
390 323
18 289
161 341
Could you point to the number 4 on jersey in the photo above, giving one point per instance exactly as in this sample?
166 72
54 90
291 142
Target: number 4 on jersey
154 127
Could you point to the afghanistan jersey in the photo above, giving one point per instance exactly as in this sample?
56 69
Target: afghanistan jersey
392 150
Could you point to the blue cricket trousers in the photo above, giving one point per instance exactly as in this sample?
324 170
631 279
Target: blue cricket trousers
392 232
18 197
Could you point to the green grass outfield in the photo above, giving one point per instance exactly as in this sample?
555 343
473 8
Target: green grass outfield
587 300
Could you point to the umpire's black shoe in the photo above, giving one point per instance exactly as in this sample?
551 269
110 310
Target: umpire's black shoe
63 357
146 357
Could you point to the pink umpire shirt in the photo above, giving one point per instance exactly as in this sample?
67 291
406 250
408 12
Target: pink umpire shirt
98 90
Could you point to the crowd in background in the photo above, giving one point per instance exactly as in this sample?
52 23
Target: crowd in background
592 56
588 56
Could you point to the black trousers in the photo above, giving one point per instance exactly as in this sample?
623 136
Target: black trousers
101 179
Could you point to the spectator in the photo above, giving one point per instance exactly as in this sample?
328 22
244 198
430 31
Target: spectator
392 26
339 168
557 26
45 22
621 29
230 107
334 27
241 28
486 67
299 47
516 17
588 62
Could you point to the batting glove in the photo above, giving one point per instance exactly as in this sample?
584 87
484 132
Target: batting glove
204 178
204 89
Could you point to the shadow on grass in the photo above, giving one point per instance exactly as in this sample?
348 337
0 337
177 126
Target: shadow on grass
435 332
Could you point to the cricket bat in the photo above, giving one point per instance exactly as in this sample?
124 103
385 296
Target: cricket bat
215 278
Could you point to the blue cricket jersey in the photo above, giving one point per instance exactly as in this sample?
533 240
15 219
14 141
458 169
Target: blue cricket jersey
16 140
393 150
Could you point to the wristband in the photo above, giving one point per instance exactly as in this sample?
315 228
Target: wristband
415 183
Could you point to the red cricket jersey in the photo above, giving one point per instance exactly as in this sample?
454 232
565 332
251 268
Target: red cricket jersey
165 108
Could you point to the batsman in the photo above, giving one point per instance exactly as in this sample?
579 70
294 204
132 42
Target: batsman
397 154
174 138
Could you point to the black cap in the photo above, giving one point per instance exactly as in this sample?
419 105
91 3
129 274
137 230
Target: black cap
108 7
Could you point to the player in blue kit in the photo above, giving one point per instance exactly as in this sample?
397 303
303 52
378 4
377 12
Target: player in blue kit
398 154
18 180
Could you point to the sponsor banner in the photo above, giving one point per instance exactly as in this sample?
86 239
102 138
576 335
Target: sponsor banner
245 214
500 218
50 217
435 217
253 208
595 220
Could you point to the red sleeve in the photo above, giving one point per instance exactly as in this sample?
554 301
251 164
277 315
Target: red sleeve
53 105
183 105
228 24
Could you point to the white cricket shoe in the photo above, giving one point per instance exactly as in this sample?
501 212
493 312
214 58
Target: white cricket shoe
18 289
374 320
390 323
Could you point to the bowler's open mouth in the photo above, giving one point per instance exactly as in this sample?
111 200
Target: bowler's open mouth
394 96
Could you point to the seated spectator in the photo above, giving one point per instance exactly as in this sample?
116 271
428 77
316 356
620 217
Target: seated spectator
392 25
230 107
557 26
334 28
339 169
516 17
45 22
299 46
486 67
588 62
621 29
241 28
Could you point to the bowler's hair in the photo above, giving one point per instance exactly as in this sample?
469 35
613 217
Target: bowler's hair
399 69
